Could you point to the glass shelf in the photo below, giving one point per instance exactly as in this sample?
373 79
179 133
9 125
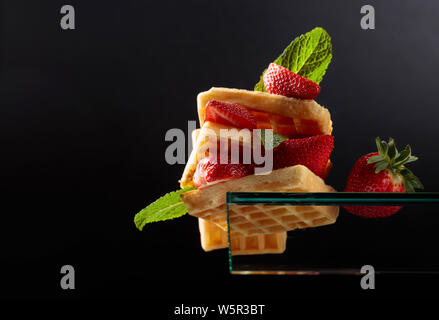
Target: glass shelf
405 242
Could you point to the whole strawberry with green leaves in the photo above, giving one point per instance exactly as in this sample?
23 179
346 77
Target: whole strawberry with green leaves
382 171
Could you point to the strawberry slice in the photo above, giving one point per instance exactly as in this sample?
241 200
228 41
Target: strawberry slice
231 114
284 126
312 152
281 81
208 171
262 119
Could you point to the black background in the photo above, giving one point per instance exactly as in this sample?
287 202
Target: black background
83 114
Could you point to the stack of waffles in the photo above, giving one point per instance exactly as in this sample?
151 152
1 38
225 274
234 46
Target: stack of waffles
257 229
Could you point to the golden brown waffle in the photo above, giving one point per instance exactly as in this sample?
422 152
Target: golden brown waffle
210 203
213 237
308 116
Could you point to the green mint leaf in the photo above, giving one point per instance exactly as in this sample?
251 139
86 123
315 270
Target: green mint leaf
277 139
169 206
260 85
308 55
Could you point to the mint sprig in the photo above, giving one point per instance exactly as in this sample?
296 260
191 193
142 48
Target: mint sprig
389 158
277 139
308 55
169 206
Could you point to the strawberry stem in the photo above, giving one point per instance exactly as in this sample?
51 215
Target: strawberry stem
389 158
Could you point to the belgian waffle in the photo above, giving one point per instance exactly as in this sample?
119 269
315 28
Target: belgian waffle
209 203
213 237
308 118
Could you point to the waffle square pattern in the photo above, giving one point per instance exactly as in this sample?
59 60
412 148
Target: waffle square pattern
209 203
213 237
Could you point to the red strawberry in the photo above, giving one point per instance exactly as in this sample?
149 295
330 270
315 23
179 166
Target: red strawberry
382 171
281 81
312 152
231 114
208 171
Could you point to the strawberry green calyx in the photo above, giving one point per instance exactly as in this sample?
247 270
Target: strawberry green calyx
389 158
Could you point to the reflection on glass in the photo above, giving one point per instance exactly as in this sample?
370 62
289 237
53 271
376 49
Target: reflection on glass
310 233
